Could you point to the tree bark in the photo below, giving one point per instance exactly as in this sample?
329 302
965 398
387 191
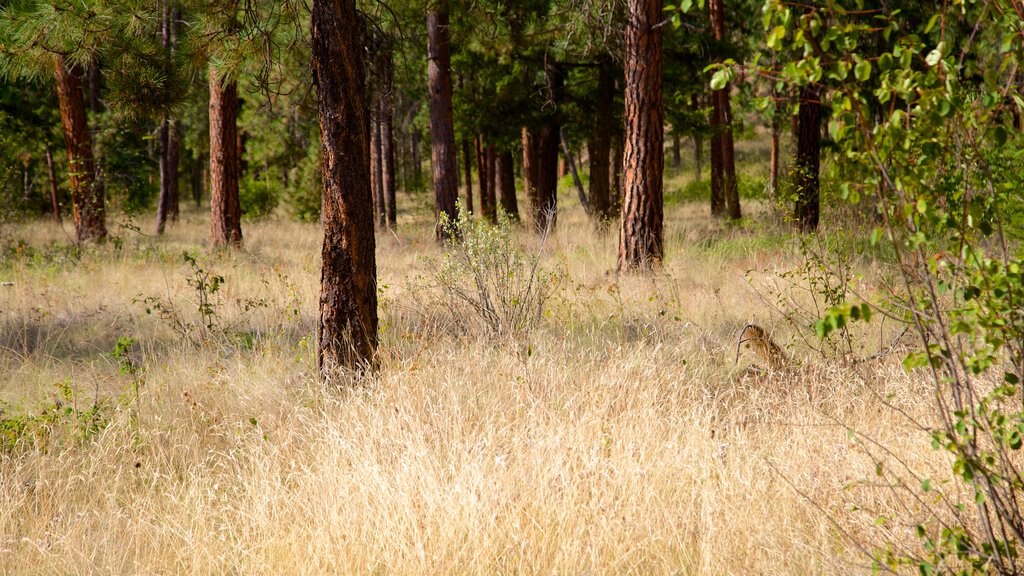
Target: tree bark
616 173
698 145
489 203
348 282
52 175
774 160
723 123
808 158
87 198
530 175
641 233
417 162
600 147
164 137
717 168
225 207
377 156
467 164
387 141
548 143
442 131
504 166
481 166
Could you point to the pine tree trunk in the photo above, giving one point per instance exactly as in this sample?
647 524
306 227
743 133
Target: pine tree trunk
481 167
387 142
616 174
717 168
698 145
489 203
163 138
225 208
808 158
723 123
164 200
600 148
641 233
52 175
173 161
548 140
442 131
530 170
377 156
87 198
348 283
467 164
504 166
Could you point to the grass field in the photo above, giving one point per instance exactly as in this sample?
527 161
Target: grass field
618 437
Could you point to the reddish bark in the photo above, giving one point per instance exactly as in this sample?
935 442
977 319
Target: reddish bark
442 131
225 207
87 197
504 166
347 328
641 233
600 148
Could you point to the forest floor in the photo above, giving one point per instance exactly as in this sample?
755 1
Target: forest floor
620 435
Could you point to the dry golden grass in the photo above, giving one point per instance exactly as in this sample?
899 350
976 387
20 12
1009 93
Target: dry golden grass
615 440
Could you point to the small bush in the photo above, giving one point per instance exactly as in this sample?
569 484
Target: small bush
257 197
485 276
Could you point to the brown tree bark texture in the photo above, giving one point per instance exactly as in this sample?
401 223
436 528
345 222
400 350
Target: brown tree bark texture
641 233
387 144
504 166
377 156
600 147
548 144
480 154
348 282
808 159
87 198
225 208
490 201
442 131
530 170
723 123
467 165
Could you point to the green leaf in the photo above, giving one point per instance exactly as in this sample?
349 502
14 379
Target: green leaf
720 79
863 70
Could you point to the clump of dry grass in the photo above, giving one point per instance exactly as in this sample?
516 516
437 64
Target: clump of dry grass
613 441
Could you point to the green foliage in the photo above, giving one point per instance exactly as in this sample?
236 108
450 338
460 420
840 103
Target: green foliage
55 425
920 120
257 196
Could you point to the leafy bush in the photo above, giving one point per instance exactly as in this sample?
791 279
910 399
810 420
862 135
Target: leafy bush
257 196
486 277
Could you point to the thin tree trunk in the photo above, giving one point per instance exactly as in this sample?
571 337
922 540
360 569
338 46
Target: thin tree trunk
377 156
87 198
698 145
489 205
52 175
225 208
442 132
173 161
600 147
504 167
548 140
530 170
467 164
641 233
723 123
387 141
347 328
717 167
481 167
808 158
616 174
571 163
163 138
